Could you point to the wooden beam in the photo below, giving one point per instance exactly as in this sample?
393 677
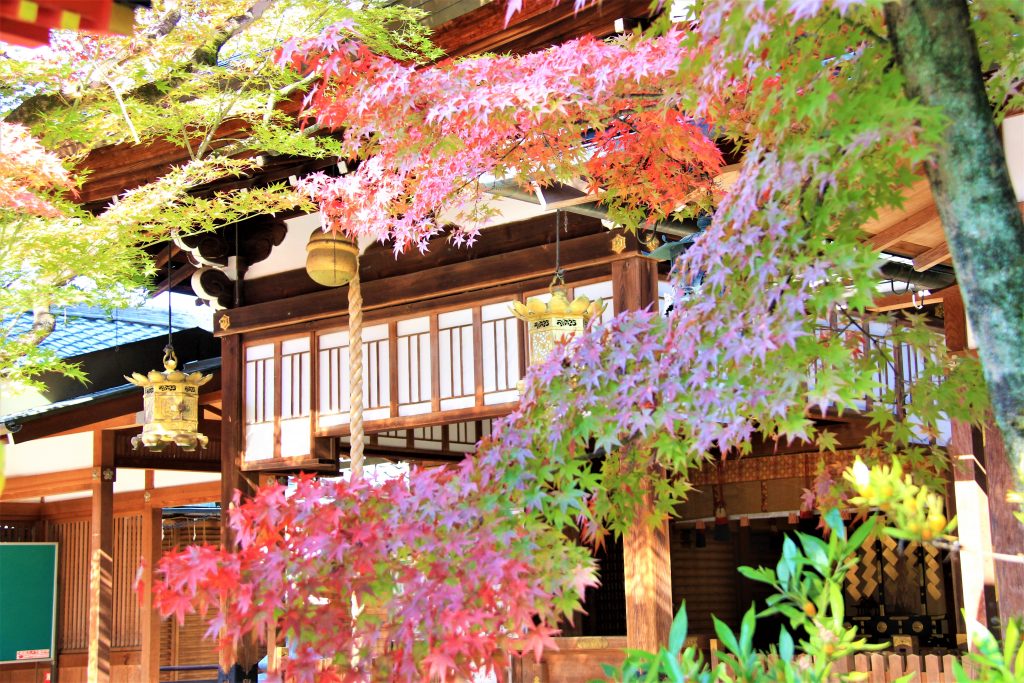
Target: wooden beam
1007 532
973 570
160 259
647 566
247 651
900 229
101 563
537 23
132 502
178 276
932 257
128 419
634 284
49 484
116 411
462 277
895 302
378 261
848 434
21 511
427 419
189 494
152 521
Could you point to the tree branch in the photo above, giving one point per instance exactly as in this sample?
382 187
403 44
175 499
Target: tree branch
36 108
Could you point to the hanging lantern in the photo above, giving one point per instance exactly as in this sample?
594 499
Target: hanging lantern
171 401
331 260
556 320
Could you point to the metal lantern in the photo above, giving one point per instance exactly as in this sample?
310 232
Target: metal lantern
331 260
556 320
171 400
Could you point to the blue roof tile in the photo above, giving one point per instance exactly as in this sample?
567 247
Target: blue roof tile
81 329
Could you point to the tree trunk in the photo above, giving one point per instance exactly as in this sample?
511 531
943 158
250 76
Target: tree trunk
937 53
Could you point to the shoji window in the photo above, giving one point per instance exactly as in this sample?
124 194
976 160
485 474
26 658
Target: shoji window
414 383
278 399
456 359
333 377
598 290
296 393
259 401
500 332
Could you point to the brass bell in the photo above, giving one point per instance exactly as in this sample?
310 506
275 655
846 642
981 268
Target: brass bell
331 259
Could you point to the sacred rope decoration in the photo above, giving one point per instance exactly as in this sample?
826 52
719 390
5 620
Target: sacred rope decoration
355 360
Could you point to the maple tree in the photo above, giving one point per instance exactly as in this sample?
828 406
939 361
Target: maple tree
791 83
191 68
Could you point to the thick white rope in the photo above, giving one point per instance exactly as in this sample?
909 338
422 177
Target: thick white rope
355 363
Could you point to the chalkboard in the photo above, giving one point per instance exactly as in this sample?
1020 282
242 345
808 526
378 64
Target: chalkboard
28 601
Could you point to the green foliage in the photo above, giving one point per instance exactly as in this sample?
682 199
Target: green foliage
997 29
808 582
54 263
994 663
199 74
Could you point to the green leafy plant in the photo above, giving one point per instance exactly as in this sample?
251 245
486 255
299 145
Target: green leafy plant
808 582
993 662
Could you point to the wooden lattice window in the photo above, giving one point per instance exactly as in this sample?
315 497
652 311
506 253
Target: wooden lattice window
278 398
412 340
260 372
334 379
500 352
296 394
456 359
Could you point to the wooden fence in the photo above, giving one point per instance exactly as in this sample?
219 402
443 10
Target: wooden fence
889 667
883 668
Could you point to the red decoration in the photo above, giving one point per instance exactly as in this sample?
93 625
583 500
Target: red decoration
28 22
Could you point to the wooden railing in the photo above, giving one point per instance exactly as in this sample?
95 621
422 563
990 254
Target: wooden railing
889 667
883 668
903 365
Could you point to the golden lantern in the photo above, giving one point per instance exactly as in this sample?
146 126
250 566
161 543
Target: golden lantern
171 402
555 320
331 259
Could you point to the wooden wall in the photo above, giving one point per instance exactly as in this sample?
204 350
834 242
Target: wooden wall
183 644
706 578
178 644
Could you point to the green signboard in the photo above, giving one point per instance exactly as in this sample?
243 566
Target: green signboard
28 601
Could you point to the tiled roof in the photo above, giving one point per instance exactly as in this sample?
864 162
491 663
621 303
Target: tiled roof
84 330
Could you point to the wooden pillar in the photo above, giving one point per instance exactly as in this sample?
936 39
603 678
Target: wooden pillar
647 563
248 652
974 572
1007 532
152 537
101 565
977 572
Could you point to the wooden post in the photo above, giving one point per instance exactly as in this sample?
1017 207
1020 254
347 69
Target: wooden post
647 564
232 478
101 565
974 572
152 527
1007 532
977 573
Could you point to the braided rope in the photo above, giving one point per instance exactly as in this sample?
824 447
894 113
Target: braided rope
355 361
